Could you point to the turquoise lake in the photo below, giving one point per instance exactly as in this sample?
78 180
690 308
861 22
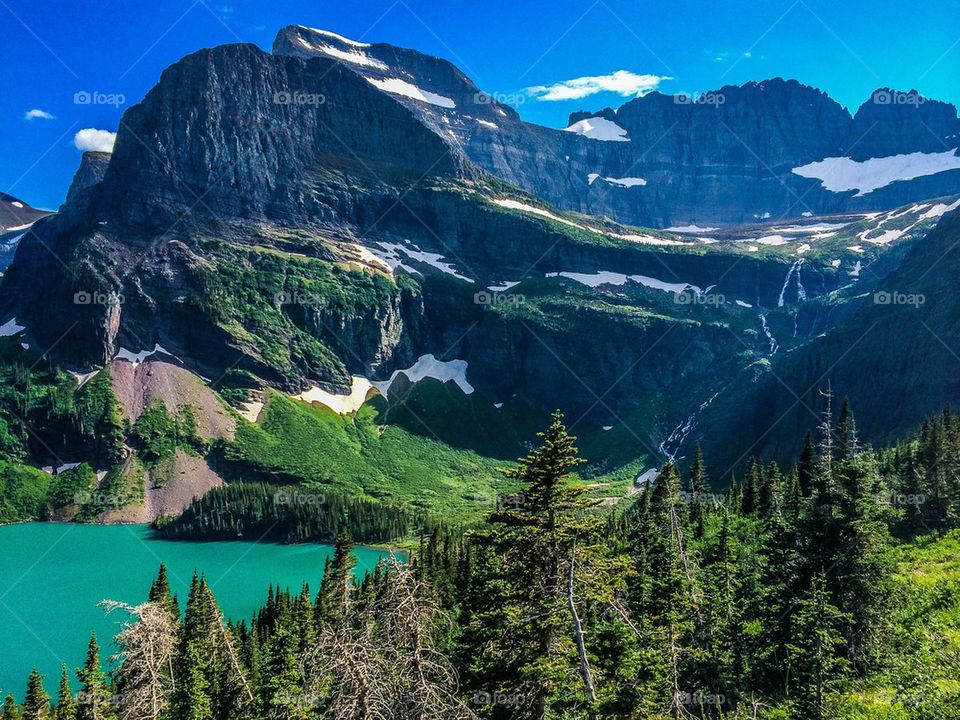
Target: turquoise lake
53 575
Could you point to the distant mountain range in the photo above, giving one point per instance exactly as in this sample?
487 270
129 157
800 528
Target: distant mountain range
773 149
319 220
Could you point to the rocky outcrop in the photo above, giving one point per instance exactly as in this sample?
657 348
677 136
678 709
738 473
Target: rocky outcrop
893 122
86 182
15 213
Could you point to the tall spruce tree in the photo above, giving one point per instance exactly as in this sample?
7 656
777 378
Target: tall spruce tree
36 703
11 710
66 705
699 489
546 559
93 700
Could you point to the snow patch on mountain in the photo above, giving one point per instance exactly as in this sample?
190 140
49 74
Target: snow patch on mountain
939 209
650 239
251 410
523 207
597 128
607 277
841 174
340 404
341 38
772 240
691 228
622 182
10 328
396 86
391 256
84 378
427 366
138 357
353 55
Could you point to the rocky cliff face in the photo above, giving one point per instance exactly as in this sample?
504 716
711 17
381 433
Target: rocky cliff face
86 182
228 139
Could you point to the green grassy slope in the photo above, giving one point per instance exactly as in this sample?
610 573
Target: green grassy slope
435 448
923 677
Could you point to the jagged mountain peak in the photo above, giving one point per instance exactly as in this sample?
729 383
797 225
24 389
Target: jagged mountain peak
234 131
431 86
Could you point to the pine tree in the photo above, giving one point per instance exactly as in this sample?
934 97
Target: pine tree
336 589
751 487
674 594
193 700
769 496
546 557
815 662
699 493
36 704
281 691
303 621
847 444
93 700
807 465
66 705
10 709
160 592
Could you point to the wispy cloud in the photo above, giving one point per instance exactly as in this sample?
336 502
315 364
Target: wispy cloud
726 55
37 114
96 140
622 82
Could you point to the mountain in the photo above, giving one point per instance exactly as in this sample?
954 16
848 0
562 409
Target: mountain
304 224
772 149
16 217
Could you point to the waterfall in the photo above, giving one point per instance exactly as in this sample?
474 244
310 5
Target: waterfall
774 345
801 292
671 446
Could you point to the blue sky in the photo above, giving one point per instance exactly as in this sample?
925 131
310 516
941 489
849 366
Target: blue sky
50 50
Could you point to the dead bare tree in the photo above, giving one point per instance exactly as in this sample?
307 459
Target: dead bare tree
407 618
381 662
147 643
578 633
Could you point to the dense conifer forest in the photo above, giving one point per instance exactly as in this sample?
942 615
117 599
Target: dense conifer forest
781 597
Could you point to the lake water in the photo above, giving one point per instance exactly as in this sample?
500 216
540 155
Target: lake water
53 575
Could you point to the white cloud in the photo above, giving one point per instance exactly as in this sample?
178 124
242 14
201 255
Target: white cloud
97 140
37 114
622 82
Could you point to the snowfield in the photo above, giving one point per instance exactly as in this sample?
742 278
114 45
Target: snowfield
354 56
429 367
391 255
396 86
340 404
606 277
138 357
622 182
599 129
10 327
523 207
841 174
